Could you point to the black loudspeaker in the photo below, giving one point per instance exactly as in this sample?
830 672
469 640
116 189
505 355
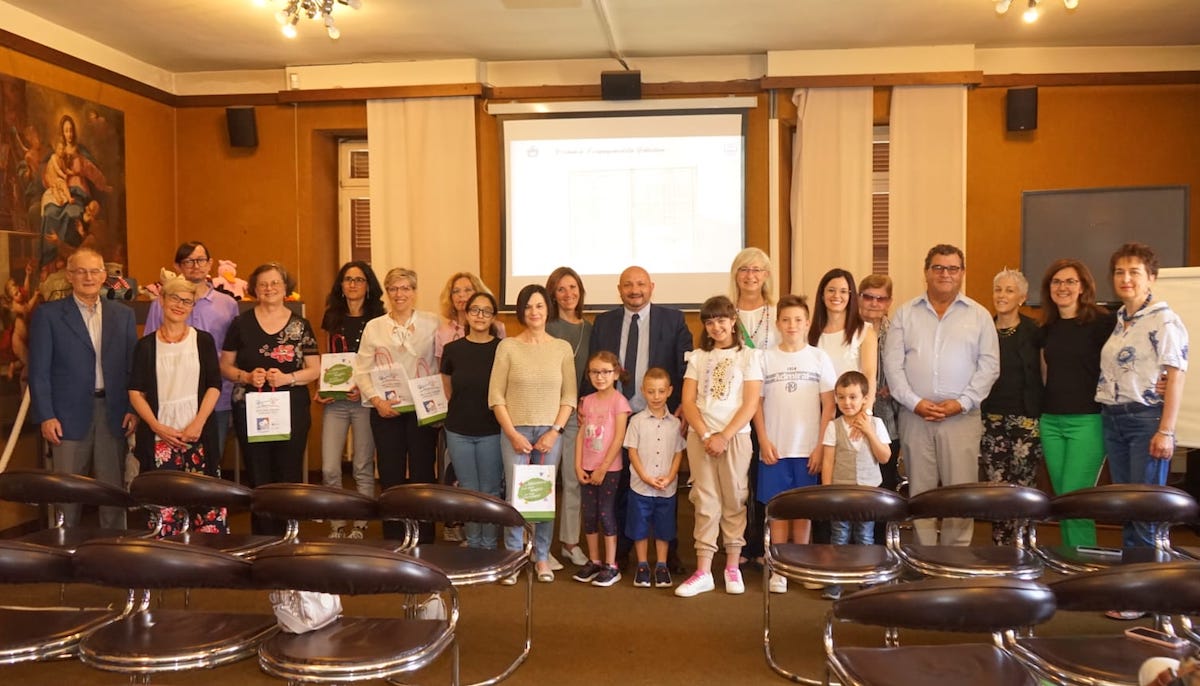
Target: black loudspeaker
1021 104
621 85
243 131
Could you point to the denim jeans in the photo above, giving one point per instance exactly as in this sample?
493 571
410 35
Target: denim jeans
542 531
1128 430
864 532
479 467
338 418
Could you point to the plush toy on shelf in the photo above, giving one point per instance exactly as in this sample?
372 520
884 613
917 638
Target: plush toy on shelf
227 280
117 286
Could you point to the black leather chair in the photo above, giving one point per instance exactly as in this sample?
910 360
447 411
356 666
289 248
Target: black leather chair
356 648
189 492
304 502
40 487
151 641
1161 588
991 502
984 605
1119 503
36 633
827 563
417 503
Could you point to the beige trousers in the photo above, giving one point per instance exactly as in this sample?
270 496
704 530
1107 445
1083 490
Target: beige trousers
720 486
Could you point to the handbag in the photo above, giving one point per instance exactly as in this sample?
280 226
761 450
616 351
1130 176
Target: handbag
299 612
337 370
390 380
532 491
268 416
429 396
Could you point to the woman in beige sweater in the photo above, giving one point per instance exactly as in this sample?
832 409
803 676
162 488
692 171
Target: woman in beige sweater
532 392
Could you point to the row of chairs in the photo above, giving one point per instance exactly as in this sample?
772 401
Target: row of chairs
987 567
413 504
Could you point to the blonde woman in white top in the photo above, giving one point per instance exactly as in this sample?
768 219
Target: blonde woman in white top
838 329
751 292
395 348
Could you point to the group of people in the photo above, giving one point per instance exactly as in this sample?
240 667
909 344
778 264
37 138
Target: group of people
778 394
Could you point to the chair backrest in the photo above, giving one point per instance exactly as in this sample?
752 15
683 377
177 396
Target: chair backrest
992 502
148 563
1158 587
312 501
40 487
1126 503
169 488
345 569
961 605
29 563
438 503
843 503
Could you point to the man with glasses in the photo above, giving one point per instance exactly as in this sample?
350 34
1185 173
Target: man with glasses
81 352
213 313
941 357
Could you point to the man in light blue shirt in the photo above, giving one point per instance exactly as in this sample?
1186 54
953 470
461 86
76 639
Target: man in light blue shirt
941 358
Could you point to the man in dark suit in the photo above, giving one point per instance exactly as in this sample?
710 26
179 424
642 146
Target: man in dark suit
643 336
81 352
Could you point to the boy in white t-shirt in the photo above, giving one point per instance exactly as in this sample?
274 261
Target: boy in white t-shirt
855 444
797 404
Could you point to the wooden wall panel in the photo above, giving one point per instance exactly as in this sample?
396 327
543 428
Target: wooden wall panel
1088 136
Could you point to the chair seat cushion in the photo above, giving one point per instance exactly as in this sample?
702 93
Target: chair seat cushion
353 645
71 537
1000 560
229 543
839 562
1103 658
177 639
976 664
467 566
31 633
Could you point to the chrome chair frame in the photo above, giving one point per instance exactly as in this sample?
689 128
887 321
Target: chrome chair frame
301 502
826 563
994 502
148 641
1164 506
1161 588
416 503
34 633
971 605
345 568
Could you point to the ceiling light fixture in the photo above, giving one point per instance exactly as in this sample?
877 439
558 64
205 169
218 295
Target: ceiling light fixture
1032 11
319 10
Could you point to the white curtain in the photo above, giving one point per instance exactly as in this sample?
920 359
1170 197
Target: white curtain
424 204
831 184
927 180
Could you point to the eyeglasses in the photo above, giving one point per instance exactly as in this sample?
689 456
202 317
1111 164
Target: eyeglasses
951 269
872 298
356 280
481 312
602 372
269 284
403 288
89 272
751 270
1055 283
195 262
186 302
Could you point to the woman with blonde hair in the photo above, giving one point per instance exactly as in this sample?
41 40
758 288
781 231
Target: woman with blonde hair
453 303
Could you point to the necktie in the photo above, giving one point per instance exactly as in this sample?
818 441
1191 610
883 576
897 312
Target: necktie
630 362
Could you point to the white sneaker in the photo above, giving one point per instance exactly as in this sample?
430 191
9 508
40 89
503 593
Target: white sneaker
453 533
700 582
555 565
356 533
812 586
576 555
777 584
733 581
337 533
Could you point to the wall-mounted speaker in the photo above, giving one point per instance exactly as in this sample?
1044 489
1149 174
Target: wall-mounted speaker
243 131
621 85
1021 105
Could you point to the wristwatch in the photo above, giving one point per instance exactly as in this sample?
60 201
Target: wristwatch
707 435
557 428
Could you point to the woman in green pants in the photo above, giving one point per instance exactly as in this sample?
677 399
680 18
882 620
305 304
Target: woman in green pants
1074 329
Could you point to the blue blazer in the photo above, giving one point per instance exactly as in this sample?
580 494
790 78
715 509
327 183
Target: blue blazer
62 365
669 340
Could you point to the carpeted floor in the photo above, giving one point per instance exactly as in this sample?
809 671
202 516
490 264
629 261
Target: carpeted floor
582 634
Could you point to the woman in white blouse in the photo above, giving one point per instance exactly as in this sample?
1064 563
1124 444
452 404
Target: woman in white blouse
838 328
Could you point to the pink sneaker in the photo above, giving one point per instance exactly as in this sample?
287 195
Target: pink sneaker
700 582
733 581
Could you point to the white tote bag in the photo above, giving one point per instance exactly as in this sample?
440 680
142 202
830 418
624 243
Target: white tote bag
299 612
337 370
429 396
268 416
390 381
532 491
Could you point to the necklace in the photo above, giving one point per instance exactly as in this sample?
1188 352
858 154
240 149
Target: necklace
752 336
162 336
1006 332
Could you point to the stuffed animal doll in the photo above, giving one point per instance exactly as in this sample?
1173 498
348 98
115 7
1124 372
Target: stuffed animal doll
227 280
